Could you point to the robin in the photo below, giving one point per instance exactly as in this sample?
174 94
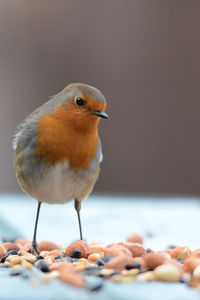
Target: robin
57 150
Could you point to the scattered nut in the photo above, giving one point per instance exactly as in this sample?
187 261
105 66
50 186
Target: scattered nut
135 238
77 246
114 251
47 246
174 262
94 257
169 273
191 263
71 277
14 259
11 246
196 273
54 253
59 265
179 252
124 262
154 259
119 262
93 249
3 251
136 249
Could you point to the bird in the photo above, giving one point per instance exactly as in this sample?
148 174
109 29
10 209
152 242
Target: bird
57 149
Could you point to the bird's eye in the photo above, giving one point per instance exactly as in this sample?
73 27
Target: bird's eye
80 101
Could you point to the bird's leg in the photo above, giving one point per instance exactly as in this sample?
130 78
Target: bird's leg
77 205
34 246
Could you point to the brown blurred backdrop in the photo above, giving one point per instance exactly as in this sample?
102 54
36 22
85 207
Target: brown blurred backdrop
145 57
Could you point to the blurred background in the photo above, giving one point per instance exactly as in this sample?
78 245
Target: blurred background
143 55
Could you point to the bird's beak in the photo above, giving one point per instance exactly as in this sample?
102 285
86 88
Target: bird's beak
101 114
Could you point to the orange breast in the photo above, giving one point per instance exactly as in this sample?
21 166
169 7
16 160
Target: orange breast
59 139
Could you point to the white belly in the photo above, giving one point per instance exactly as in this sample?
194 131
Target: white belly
62 185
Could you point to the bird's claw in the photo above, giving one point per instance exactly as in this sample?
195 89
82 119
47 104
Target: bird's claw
34 248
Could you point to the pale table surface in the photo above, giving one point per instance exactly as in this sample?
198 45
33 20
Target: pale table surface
106 219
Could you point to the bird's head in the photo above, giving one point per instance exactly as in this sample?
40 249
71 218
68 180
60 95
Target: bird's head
82 106
70 131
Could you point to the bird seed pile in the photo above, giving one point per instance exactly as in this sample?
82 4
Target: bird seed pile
123 262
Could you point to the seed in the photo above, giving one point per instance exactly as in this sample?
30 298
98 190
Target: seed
11 246
12 252
183 254
2 251
48 260
94 249
72 278
107 273
57 266
75 253
148 276
107 258
148 250
196 273
97 287
183 279
155 259
84 260
196 253
167 273
93 257
191 263
79 245
187 276
29 257
112 251
80 268
179 252
22 271
6 264
81 264
129 272
119 262
44 253
27 246
127 279
100 262
136 249
174 262
137 265
42 266
40 257
116 278
123 249
27 264
47 246
92 270
133 272
58 257
55 253
144 271
68 259
135 238
15 259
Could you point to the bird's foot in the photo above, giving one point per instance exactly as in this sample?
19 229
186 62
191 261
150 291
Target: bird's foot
34 248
